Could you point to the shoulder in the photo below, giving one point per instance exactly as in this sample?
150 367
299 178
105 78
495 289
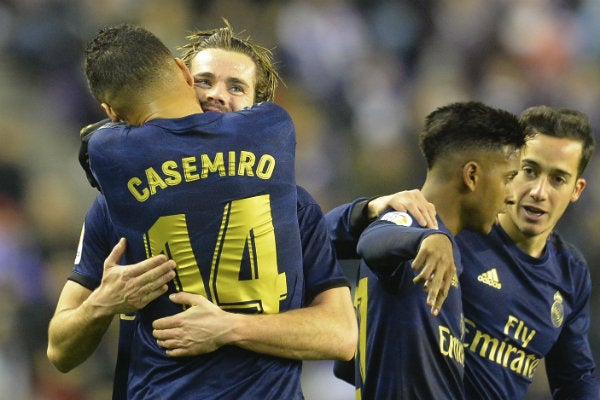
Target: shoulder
308 210
107 132
267 109
305 198
570 265
98 221
566 250
109 127
99 205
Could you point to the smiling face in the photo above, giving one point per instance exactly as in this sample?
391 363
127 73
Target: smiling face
546 184
224 80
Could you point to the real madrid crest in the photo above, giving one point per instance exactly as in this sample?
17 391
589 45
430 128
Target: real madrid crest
557 311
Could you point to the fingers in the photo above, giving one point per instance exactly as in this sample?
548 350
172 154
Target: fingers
156 289
153 269
186 299
170 340
175 321
436 263
416 265
153 281
179 352
437 291
436 287
427 216
116 254
170 335
422 210
417 205
175 347
422 276
437 302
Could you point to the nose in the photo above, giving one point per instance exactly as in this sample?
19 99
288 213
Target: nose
509 197
538 191
217 93
509 200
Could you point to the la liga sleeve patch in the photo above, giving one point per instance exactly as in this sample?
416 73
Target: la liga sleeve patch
398 218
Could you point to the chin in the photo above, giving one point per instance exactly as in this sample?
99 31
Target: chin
529 231
484 230
487 230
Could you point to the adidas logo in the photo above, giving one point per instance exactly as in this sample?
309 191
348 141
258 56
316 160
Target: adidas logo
490 278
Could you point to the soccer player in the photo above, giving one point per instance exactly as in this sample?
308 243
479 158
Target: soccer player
323 328
404 351
202 189
526 291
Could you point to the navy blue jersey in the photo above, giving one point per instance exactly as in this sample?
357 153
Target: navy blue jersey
519 309
320 269
404 352
346 222
216 193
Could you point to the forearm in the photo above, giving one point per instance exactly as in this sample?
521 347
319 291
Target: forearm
74 334
387 244
326 329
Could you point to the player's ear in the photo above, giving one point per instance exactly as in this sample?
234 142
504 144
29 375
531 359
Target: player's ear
470 175
579 186
186 71
110 112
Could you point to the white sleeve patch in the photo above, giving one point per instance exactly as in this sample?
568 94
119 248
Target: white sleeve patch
398 218
80 245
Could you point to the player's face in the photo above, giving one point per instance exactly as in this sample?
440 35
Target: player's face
494 188
546 184
224 80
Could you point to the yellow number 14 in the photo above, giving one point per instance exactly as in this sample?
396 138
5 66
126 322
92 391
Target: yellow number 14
246 240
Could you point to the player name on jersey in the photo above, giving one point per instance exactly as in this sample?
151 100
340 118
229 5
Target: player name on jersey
194 168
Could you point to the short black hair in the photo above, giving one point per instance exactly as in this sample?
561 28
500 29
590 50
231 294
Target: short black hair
468 126
122 59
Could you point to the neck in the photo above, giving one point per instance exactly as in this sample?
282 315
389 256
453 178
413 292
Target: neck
447 206
175 104
534 245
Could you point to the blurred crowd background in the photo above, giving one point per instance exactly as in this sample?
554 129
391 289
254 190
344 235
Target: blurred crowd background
360 77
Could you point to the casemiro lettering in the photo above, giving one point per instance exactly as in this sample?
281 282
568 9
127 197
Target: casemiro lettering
194 168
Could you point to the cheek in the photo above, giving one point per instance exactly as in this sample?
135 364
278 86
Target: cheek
200 93
518 190
562 202
241 102
499 196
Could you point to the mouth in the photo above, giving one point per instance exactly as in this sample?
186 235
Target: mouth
533 213
206 107
216 109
